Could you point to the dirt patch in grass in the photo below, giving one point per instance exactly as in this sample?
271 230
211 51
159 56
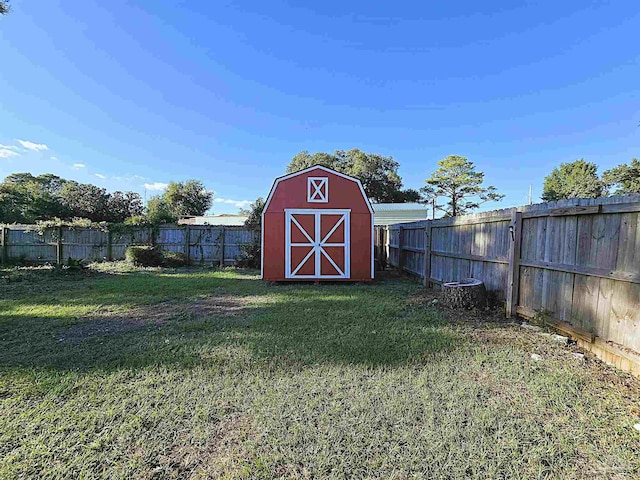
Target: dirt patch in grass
151 315
223 456
218 306
291 470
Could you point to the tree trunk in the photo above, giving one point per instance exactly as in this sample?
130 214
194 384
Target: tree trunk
469 293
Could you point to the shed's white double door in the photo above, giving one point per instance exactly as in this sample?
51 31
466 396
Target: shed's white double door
317 243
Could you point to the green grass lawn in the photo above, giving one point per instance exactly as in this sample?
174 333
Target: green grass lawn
122 373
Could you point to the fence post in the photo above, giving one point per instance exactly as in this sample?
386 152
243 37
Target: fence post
386 244
59 258
5 245
427 254
187 246
400 256
109 247
376 243
222 235
513 283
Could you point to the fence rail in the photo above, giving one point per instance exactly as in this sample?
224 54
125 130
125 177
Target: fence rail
573 263
202 244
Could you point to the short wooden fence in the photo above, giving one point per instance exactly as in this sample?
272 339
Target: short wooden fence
202 244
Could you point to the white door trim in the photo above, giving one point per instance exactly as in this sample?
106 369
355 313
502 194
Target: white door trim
317 243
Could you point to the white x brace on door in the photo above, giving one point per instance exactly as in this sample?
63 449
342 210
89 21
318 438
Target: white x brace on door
317 243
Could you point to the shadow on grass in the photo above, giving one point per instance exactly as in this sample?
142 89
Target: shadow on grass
231 321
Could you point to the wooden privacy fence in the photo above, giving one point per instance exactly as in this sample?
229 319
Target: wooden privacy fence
574 264
202 244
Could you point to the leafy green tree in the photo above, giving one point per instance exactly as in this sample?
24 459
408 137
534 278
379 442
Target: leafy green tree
254 213
84 200
25 198
624 178
12 200
159 212
187 198
123 205
137 220
409 195
577 179
4 7
305 160
457 180
377 173
179 199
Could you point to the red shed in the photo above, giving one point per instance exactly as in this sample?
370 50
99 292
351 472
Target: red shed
317 224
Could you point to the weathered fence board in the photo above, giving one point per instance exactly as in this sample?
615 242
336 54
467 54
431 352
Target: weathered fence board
575 263
203 244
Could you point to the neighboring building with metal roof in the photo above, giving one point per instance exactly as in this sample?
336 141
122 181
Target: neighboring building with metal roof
219 220
384 214
390 213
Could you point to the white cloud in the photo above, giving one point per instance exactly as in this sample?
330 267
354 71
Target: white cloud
7 152
53 158
129 178
37 147
79 165
156 186
99 175
237 203
9 147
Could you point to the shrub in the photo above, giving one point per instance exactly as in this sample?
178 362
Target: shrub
250 255
136 220
174 259
76 264
21 261
144 256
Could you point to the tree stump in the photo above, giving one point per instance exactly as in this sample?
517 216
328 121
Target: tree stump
468 294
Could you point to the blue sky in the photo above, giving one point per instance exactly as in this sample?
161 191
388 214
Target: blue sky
128 93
